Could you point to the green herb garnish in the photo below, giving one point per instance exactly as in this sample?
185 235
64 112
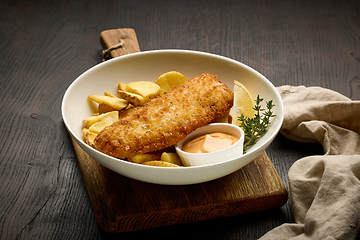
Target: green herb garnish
254 128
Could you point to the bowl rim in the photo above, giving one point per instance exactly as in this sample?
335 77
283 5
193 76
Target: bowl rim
162 51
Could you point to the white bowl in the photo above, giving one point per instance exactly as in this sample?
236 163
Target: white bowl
148 66
201 159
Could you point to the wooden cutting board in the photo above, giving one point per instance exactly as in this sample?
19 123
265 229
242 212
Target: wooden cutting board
122 204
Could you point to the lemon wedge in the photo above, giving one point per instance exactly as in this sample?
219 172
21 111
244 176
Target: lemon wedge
243 103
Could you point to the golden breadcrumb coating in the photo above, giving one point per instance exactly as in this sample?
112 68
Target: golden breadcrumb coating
166 120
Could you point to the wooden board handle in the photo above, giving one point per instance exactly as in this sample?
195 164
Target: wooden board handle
111 38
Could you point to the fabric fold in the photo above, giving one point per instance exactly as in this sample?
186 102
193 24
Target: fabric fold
324 190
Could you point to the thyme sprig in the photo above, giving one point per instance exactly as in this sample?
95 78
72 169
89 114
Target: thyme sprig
254 128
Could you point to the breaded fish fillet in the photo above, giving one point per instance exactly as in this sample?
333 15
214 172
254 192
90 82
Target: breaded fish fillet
166 120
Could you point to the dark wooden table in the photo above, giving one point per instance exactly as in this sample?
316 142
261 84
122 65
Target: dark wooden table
45 45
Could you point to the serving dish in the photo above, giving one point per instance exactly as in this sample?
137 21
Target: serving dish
148 66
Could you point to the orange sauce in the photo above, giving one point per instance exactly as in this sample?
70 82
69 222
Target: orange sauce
211 142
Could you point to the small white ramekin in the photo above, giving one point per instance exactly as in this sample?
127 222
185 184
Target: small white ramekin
199 159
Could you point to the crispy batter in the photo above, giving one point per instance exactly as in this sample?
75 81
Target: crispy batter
166 120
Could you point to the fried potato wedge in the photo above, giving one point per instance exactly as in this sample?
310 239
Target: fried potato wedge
94 124
110 116
171 157
145 157
109 94
84 131
160 164
114 102
106 119
169 80
133 98
104 108
89 137
87 122
145 89
122 86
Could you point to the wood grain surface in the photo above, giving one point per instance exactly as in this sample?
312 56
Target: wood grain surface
121 204
45 45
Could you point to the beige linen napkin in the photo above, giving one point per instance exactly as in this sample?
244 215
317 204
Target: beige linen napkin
324 190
